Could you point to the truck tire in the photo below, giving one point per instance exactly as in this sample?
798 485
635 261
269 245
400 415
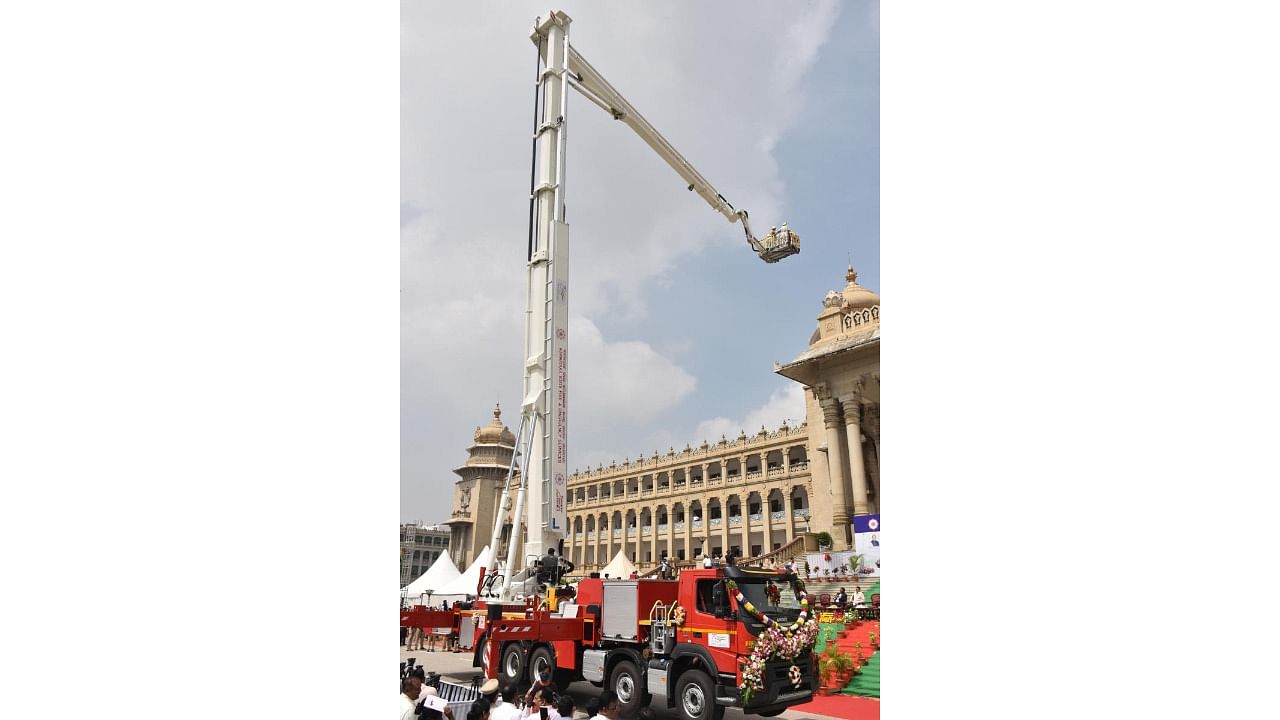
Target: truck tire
511 665
696 697
626 683
540 659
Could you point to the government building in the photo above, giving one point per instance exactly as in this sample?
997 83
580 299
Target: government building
750 495
420 546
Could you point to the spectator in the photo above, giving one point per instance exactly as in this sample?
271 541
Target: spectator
427 713
545 698
479 710
842 599
544 683
564 707
410 688
506 708
592 707
608 706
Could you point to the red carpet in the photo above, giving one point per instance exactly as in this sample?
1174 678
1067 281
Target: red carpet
848 706
842 706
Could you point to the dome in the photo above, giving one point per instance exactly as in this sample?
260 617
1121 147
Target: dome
495 433
856 297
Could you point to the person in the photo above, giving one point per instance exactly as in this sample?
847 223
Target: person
664 568
479 710
549 568
544 684
564 707
410 689
859 600
841 599
775 595
427 713
706 561
608 706
489 691
635 574
506 708
592 707
544 698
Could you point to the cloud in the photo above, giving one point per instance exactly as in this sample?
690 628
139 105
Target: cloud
723 82
626 379
785 404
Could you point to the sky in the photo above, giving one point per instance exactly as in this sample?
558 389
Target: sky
674 323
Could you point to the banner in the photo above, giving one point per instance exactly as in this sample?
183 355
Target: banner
866 543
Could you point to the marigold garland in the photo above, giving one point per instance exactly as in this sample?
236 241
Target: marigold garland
777 641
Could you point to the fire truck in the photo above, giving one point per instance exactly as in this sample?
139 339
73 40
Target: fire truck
682 641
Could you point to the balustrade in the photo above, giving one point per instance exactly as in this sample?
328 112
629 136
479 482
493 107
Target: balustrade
735 520
777 515
715 522
662 527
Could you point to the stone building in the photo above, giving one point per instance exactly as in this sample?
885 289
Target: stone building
749 495
754 494
476 495
420 546
841 375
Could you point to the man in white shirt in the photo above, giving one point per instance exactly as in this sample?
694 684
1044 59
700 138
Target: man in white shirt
858 599
608 706
409 691
505 707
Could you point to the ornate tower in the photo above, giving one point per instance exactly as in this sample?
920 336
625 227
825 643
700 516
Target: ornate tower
476 494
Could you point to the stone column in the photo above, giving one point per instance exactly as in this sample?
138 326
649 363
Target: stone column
839 480
766 535
852 405
653 534
725 543
791 513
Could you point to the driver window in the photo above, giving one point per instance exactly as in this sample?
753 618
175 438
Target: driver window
705 603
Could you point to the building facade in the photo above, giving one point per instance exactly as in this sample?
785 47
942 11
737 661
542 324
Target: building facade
420 546
749 495
746 496
841 374
477 493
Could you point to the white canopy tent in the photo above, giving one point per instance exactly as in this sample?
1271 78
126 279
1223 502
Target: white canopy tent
441 573
619 567
466 583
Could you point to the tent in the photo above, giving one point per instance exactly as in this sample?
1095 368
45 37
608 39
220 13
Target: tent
466 583
441 573
619 567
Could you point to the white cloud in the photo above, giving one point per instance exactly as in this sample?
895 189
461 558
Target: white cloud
626 382
722 81
785 404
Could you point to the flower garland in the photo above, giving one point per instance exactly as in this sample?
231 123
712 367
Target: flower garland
778 641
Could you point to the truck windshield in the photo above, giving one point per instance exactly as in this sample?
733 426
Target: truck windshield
757 592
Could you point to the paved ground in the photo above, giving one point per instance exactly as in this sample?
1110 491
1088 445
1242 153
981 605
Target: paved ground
457 666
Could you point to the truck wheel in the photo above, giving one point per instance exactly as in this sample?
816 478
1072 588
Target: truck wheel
696 697
626 683
540 660
511 665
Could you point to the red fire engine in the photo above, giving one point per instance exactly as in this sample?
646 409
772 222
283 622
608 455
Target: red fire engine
681 643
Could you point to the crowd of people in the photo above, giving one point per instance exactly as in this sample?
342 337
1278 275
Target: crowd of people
541 702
